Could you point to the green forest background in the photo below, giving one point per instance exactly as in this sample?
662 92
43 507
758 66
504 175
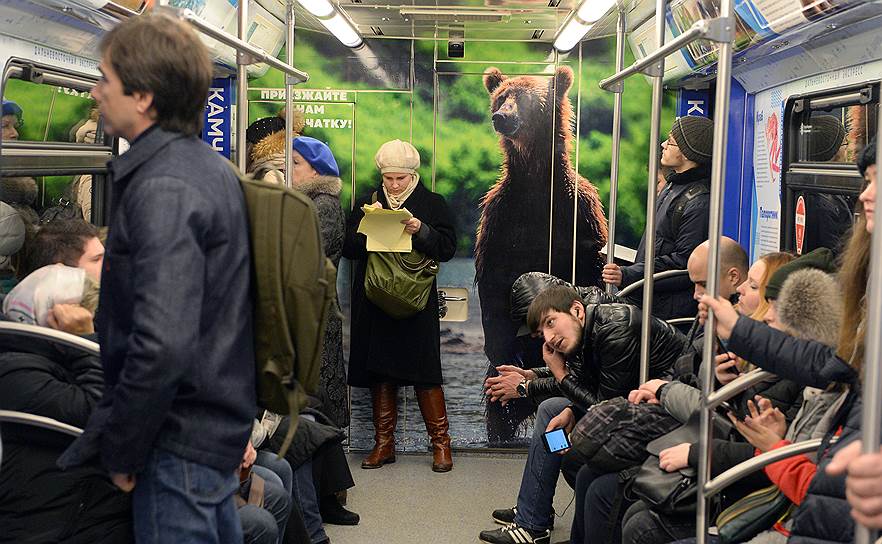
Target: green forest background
468 155
467 152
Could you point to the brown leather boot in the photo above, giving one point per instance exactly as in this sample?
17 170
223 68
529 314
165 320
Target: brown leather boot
434 412
384 397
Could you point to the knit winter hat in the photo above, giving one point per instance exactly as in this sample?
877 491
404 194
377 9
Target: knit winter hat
11 108
262 128
397 156
820 258
695 137
810 306
825 137
12 230
867 157
318 155
29 302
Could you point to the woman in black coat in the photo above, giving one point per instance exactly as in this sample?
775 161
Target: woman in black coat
385 352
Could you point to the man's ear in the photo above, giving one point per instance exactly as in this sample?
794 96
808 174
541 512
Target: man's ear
577 310
144 103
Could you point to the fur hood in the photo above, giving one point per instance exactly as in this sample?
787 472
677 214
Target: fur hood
328 185
810 306
269 153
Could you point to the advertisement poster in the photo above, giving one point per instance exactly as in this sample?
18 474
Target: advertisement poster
642 43
770 17
768 128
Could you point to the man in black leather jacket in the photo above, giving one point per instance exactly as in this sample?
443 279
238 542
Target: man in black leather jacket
592 353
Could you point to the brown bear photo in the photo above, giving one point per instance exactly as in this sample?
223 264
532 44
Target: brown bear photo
527 219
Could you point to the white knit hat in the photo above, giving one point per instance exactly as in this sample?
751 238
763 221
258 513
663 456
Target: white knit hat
397 156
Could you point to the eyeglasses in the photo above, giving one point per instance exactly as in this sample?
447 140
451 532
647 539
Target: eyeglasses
670 142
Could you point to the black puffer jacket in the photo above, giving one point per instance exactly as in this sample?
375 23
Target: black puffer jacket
823 515
38 502
608 365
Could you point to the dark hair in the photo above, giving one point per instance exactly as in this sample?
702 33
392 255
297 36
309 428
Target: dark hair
61 241
160 55
557 298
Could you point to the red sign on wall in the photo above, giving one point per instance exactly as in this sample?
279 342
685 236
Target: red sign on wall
800 224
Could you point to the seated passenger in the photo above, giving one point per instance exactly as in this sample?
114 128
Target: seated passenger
11 118
12 237
71 242
642 524
263 500
681 218
18 192
808 307
38 502
824 514
591 352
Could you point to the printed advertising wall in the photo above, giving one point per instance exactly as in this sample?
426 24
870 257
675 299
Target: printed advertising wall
767 157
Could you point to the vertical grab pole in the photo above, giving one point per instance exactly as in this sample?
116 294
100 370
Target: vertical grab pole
658 71
872 414
242 61
289 92
616 138
715 223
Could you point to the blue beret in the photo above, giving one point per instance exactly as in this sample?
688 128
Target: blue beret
11 108
318 155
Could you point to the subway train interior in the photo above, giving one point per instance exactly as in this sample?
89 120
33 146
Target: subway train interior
577 139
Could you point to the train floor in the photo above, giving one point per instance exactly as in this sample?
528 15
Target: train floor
405 502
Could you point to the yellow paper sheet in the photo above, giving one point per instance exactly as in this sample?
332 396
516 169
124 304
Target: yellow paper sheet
384 229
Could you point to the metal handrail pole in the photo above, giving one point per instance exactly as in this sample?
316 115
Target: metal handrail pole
241 46
715 224
22 418
871 418
739 471
45 333
242 61
739 385
655 277
649 238
696 32
616 137
290 19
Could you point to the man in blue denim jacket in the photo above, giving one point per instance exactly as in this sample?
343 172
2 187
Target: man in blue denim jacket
174 319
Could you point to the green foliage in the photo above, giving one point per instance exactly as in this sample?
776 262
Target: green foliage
467 152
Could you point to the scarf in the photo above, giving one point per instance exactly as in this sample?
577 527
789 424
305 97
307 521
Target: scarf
395 202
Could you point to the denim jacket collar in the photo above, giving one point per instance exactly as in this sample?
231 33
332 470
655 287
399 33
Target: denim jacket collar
145 147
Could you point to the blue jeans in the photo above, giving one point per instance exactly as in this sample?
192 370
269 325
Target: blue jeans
266 525
305 495
595 498
536 496
177 500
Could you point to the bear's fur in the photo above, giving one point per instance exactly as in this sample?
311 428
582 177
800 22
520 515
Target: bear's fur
536 182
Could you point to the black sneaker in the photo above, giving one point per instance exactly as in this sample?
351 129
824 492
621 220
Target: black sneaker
504 516
514 534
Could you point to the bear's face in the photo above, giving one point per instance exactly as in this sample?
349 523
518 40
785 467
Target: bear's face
520 105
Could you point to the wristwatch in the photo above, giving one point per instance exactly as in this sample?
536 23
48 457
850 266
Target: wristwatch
522 388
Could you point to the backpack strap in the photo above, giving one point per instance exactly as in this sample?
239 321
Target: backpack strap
679 205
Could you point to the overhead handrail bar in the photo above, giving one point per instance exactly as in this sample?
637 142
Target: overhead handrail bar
45 333
871 418
739 471
54 78
738 385
23 418
258 54
721 30
655 277
703 29
616 136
